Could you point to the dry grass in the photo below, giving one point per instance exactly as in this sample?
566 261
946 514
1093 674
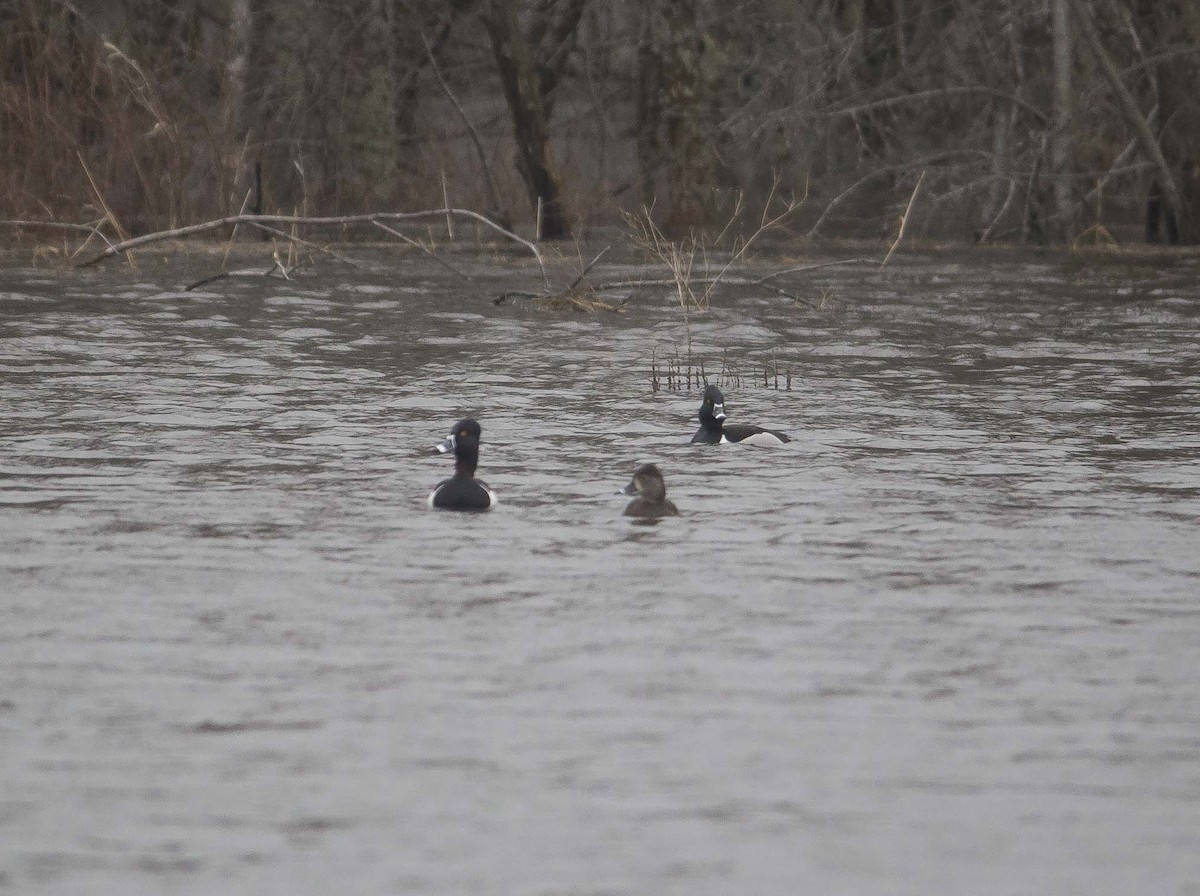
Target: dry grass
687 261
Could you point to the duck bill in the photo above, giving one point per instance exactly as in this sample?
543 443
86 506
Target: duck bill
445 447
628 490
719 411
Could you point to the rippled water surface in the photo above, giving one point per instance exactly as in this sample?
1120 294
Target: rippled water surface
945 641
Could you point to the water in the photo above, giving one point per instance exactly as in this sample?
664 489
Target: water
946 640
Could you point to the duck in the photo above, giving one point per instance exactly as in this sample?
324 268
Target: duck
651 491
462 491
713 429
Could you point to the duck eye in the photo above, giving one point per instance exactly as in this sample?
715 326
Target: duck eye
462 433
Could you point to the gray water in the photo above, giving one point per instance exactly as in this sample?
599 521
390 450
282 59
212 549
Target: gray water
945 641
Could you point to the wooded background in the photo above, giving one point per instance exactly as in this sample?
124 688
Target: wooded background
1032 120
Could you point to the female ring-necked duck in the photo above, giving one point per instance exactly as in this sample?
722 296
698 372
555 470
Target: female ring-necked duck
462 491
713 429
651 491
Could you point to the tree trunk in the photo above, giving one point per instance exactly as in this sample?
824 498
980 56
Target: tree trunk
649 111
1062 143
364 154
419 31
274 112
1137 121
529 105
1165 26
676 128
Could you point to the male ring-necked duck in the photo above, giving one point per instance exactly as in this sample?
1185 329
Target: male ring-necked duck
462 491
651 491
713 428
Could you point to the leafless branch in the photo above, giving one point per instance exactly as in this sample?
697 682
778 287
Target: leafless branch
422 247
935 93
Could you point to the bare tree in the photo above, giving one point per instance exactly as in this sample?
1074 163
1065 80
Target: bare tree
531 62
1032 119
676 120
1171 32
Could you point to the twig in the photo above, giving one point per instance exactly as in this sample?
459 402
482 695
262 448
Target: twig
764 226
277 266
446 203
100 198
584 272
737 211
904 220
90 229
233 232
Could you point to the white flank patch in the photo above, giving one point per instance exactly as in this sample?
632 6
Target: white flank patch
762 439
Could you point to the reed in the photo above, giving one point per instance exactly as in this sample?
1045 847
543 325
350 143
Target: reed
90 132
682 372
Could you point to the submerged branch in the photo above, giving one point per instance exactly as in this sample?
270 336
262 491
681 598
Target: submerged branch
710 282
804 269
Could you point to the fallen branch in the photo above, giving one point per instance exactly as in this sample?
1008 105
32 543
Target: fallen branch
564 301
212 278
568 299
313 221
804 269
904 220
